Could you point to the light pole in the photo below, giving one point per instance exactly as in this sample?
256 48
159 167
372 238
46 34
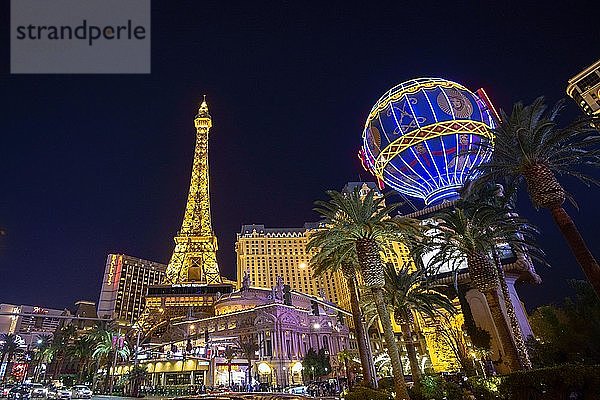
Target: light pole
284 377
117 345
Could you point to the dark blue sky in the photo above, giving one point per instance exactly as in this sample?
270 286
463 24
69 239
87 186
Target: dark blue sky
94 164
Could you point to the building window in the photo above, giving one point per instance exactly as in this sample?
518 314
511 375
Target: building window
268 348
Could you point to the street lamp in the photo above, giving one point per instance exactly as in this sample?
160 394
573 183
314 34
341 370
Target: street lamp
284 377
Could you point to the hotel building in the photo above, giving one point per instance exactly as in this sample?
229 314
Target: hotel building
584 88
125 284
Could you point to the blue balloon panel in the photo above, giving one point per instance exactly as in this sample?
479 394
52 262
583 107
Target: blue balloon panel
424 137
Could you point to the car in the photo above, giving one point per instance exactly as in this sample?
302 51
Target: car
81 392
297 390
5 389
20 392
38 390
58 393
246 396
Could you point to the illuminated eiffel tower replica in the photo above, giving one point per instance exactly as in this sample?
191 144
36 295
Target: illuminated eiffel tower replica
193 281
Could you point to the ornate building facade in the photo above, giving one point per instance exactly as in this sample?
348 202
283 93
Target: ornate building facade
283 332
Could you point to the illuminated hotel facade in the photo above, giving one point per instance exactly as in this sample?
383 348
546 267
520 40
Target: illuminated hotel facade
267 253
584 88
125 285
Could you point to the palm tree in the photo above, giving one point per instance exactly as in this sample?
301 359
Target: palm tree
95 336
44 352
406 293
9 346
248 348
530 147
135 377
495 196
229 355
472 234
363 221
344 257
346 357
81 350
454 337
62 339
107 352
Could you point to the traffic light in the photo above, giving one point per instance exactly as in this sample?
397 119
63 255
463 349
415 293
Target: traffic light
314 306
287 295
206 336
340 318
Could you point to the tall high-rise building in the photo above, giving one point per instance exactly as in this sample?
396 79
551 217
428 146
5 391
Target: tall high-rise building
266 253
584 88
125 284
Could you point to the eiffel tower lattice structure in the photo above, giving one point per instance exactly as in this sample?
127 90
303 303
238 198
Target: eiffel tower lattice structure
193 280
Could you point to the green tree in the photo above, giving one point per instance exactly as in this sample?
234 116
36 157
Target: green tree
81 350
346 357
364 222
229 355
530 147
43 352
9 347
108 351
471 234
329 259
135 377
503 202
315 364
567 332
63 338
248 348
406 293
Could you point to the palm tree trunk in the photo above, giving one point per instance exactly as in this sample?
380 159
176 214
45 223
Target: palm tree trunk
367 251
249 382
2 362
347 369
412 352
362 337
524 360
506 339
108 375
392 346
9 364
582 253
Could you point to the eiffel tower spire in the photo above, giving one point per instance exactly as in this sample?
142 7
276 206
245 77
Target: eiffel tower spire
194 258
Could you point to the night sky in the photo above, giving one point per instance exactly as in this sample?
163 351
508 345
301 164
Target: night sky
98 164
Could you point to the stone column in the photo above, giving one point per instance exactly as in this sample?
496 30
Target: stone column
483 319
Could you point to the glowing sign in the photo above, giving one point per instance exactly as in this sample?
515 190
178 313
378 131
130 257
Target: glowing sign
114 270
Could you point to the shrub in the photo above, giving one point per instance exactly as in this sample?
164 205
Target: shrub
434 387
552 383
364 393
386 383
485 388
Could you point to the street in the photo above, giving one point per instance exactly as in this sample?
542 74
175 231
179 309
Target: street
103 397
